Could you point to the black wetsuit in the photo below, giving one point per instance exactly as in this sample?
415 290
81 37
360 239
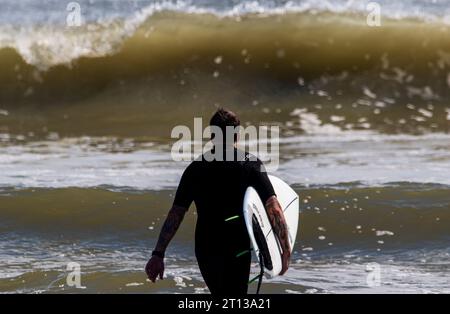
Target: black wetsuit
218 188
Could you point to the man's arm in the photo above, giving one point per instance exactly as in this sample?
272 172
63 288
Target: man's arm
170 227
155 265
276 217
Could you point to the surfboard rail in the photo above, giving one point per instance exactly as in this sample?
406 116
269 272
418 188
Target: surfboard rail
264 242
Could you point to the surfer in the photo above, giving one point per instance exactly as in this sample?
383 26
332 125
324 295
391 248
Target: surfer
222 244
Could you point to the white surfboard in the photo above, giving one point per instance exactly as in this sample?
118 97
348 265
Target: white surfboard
260 231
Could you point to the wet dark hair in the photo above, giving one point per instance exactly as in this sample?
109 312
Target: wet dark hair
223 118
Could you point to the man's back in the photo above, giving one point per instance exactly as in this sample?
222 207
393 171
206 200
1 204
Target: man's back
217 189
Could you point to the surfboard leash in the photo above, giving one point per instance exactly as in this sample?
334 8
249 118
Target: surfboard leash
261 272
260 275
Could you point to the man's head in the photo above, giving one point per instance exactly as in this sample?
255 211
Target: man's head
224 118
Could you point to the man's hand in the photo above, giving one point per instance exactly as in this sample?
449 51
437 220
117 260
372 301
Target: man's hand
285 260
155 267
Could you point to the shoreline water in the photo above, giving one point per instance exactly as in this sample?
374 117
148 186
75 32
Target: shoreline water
343 229
86 113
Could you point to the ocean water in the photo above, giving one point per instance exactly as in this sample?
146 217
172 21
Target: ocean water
86 113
